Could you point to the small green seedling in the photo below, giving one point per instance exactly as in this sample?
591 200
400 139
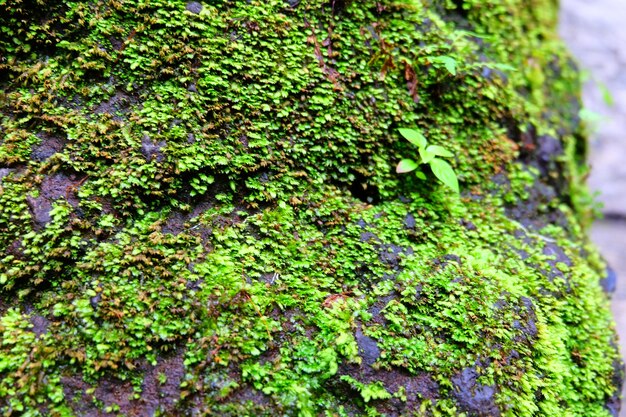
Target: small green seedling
445 61
431 155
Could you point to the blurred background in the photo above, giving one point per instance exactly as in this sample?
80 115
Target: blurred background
595 32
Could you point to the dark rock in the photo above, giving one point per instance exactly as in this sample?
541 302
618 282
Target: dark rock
377 308
175 223
367 236
161 384
549 148
473 397
527 325
609 283
409 221
52 188
160 388
5 171
446 259
452 257
614 403
552 249
118 103
468 225
40 208
40 324
48 147
391 254
95 300
194 7
151 150
368 348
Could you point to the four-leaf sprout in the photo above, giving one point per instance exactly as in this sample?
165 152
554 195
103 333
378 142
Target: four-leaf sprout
431 155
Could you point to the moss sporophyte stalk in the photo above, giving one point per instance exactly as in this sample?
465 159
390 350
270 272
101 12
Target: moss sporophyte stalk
201 214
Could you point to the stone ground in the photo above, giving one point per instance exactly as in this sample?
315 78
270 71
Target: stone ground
595 32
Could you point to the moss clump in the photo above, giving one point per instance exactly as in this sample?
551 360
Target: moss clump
199 214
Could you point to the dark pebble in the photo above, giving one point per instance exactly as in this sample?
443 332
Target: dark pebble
409 221
194 7
4 172
473 397
368 348
95 300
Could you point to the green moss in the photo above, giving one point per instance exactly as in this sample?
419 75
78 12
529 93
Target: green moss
218 187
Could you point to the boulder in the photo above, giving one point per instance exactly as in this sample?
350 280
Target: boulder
200 212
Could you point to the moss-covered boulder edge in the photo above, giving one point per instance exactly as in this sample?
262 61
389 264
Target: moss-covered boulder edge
199 213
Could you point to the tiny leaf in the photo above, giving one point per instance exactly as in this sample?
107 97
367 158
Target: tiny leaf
413 136
439 151
444 172
406 165
420 175
448 62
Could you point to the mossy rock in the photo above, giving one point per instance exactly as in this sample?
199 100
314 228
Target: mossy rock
199 212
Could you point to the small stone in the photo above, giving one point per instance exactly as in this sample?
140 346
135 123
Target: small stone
409 221
367 236
40 325
48 147
549 148
95 300
473 397
150 149
194 7
5 171
368 348
551 249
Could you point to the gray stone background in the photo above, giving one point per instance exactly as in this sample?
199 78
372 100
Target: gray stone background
595 31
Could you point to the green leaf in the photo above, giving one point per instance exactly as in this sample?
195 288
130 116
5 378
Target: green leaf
406 165
426 155
413 136
444 172
448 62
420 175
439 151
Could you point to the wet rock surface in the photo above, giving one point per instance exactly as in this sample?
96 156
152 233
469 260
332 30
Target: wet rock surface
53 188
474 398
194 7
